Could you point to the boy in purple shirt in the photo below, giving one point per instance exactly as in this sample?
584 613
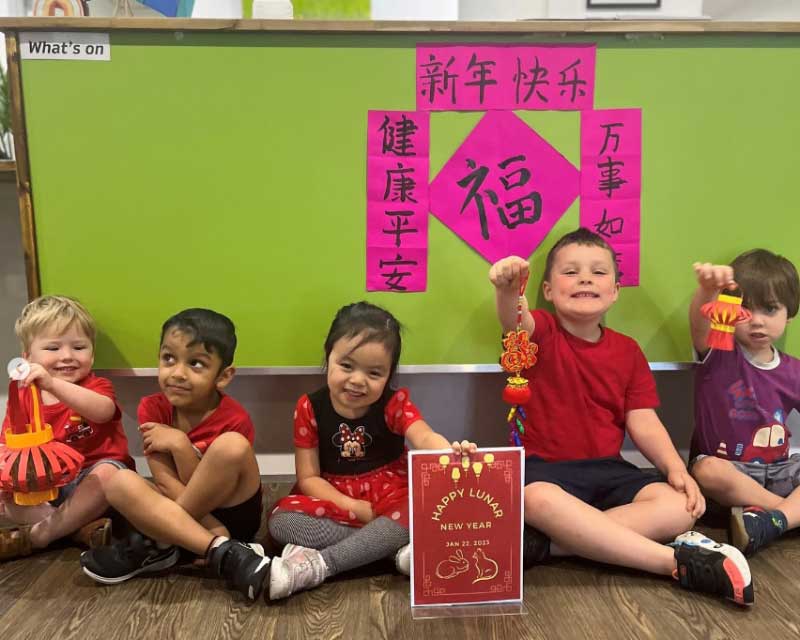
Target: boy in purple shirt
743 397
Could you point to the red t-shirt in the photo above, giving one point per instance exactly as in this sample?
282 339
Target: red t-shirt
228 416
581 392
95 441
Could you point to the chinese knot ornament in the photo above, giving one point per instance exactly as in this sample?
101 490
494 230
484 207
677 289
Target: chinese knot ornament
724 314
32 464
518 353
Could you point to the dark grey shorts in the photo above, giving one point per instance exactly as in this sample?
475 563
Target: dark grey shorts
780 478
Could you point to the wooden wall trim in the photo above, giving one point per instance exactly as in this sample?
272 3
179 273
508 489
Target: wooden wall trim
400 26
24 193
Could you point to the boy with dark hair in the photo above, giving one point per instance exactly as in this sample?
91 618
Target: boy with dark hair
589 387
198 443
740 447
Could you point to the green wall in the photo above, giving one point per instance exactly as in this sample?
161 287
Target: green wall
228 170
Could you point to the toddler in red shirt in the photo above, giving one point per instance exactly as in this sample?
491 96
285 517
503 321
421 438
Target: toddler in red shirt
57 335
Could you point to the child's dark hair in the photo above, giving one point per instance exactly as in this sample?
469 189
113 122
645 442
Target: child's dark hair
766 278
375 323
215 331
584 237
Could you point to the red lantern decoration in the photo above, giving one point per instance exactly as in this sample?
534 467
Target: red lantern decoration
518 353
724 314
32 464
516 391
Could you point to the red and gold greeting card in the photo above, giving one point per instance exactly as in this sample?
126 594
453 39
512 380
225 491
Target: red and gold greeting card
466 527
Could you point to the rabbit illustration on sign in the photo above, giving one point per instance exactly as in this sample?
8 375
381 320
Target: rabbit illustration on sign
487 568
457 564
454 566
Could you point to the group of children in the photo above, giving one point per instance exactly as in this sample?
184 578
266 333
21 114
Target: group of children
349 507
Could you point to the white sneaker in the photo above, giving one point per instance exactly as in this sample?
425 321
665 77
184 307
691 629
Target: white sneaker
290 549
402 560
303 569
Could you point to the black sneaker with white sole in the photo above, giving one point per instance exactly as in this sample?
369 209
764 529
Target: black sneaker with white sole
123 560
720 569
241 566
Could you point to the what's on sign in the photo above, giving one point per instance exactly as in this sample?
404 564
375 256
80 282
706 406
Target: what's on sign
64 46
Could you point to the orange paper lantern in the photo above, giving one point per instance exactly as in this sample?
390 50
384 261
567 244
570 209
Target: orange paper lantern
32 464
724 313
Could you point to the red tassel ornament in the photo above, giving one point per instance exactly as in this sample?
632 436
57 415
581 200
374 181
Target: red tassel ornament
518 353
724 314
32 464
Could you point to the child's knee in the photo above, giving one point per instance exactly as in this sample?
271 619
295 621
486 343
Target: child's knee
709 469
230 448
104 472
119 484
671 504
540 497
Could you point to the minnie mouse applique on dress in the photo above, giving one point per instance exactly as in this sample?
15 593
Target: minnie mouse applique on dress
352 443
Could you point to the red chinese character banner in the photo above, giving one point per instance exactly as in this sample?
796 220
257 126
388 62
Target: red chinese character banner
611 183
505 77
466 527
398 146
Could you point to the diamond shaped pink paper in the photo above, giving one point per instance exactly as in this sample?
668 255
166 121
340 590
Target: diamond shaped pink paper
504 188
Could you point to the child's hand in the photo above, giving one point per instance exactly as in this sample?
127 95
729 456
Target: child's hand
363 511
160 438
465 447
680 480
714 277
508 272
40 376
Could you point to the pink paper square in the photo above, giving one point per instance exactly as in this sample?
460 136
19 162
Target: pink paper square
398 134
504 188
397 227
618 221
390 269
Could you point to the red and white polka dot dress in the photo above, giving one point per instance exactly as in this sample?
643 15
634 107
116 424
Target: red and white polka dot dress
385 487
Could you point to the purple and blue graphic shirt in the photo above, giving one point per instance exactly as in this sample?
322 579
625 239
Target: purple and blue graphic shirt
741 407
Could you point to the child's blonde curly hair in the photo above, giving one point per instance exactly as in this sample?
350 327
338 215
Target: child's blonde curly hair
52 313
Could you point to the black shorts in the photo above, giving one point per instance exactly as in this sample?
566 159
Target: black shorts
604 483
242 520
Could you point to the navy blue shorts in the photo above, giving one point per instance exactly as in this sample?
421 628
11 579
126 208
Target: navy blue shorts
604 483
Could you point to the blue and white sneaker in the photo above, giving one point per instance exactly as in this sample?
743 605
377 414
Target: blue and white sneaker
753 528
705 565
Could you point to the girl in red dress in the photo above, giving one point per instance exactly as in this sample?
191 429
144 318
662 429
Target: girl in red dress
350 505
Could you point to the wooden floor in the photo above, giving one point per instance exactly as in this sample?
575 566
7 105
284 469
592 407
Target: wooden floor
47 596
